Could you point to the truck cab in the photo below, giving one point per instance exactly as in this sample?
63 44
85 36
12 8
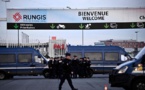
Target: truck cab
22 61
131 74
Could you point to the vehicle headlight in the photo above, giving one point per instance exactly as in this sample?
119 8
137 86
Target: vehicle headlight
123 69
138 68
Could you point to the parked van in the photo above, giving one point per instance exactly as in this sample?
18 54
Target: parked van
22 61
131 74
103 58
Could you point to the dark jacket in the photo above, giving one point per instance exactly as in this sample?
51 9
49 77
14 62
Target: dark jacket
75 63
66 66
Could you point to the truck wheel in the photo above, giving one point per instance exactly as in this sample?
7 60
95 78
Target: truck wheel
46 74
2 75
90 73
138 84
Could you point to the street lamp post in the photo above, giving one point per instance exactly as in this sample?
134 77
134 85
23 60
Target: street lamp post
136 48
136 35
82 30
18 39
0 41
38 43
136 38
82 37
6 20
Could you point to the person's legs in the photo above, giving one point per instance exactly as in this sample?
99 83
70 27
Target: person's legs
75 73
70 82
62 79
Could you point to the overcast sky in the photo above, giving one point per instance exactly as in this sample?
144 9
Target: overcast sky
72 36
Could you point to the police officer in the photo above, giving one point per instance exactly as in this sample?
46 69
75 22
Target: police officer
81 69
57 67
88 64
60 67
54 68
75 64
85 67
50 67
66 71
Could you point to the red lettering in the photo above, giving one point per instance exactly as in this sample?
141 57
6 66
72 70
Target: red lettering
55 46
59 46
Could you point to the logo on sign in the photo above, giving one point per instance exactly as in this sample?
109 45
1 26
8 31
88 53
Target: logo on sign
17 16
34 18
29 17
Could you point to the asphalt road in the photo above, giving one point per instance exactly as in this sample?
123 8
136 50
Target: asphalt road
97 82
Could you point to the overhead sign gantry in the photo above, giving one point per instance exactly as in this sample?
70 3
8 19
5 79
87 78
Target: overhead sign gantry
52 19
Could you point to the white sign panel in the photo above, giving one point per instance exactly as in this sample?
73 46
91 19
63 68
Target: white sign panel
75 15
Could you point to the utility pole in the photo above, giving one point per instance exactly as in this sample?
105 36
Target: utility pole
82 37
6 21
136 47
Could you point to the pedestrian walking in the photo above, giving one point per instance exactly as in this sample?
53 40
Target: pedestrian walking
66 71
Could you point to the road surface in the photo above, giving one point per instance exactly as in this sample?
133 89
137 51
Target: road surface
97 82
